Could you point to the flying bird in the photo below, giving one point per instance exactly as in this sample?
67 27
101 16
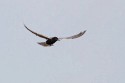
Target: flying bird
51 40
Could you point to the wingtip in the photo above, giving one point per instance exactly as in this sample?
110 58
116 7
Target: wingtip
85 30
25 26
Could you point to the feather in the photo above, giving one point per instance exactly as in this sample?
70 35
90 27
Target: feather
74 36
40 35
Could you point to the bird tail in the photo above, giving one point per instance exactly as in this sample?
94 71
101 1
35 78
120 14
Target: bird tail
43 44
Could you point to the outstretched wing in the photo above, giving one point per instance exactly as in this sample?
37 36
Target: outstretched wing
74 36
40 35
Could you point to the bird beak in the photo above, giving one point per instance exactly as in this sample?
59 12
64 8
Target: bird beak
58 39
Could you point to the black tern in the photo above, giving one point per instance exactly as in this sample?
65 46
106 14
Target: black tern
51 40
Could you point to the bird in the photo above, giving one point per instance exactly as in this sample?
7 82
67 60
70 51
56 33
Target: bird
51 40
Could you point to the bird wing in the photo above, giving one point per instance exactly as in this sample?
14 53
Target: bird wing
74 36
40 35
43 44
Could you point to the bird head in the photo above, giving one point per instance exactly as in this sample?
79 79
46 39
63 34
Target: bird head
55 38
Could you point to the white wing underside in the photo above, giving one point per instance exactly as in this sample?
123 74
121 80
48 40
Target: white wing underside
74 36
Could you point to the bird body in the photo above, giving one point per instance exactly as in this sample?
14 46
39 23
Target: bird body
52 40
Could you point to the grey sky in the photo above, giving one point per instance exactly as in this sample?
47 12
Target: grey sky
96 57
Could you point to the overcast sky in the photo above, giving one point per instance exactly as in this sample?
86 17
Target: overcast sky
96 57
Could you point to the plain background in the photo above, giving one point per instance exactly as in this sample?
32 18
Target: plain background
96 57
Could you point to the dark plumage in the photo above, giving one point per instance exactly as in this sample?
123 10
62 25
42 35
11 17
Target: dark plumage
52 40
